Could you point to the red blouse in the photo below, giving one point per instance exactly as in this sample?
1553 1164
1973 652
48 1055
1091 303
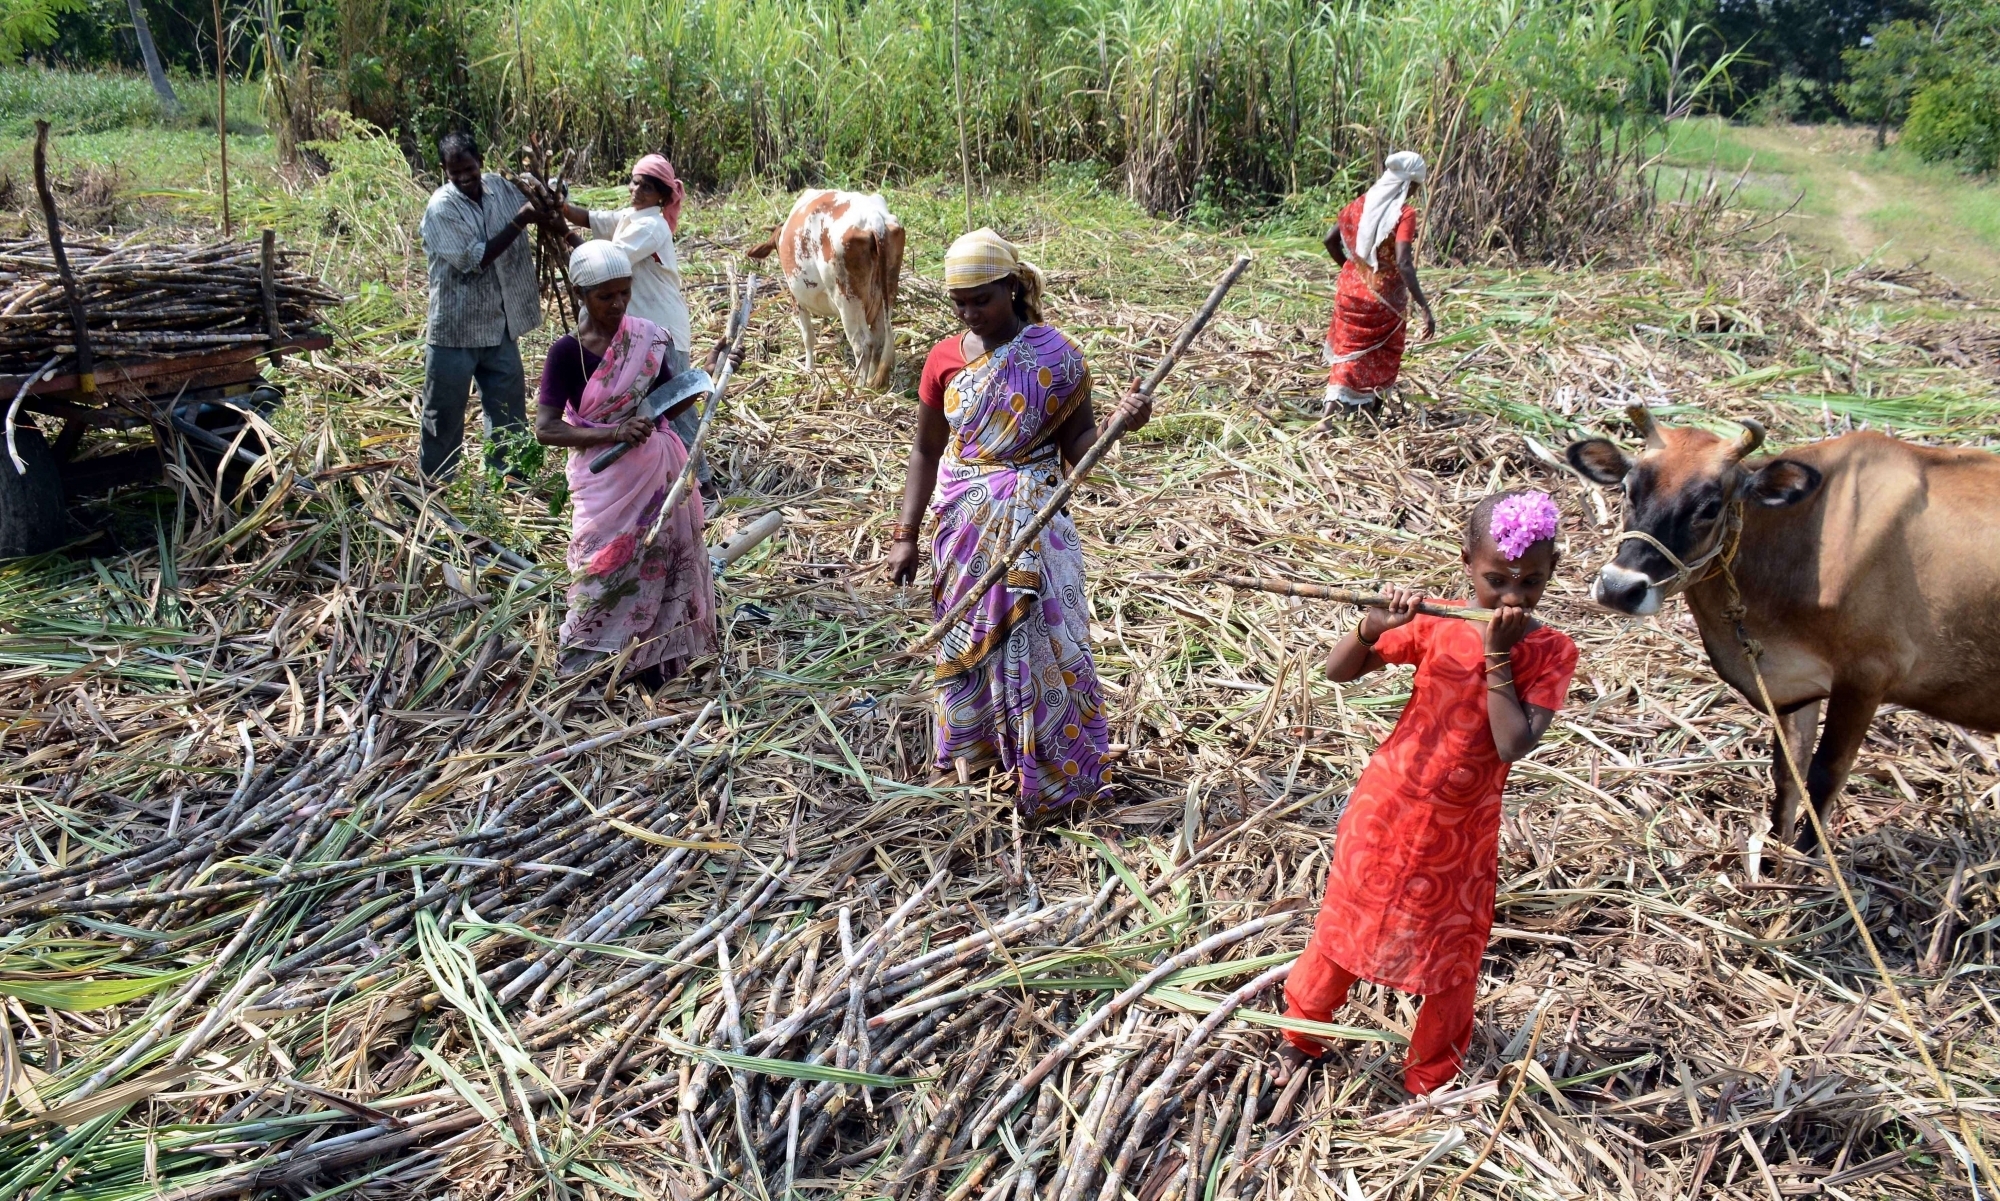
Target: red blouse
1409 894
1350 225
945 360
1383 279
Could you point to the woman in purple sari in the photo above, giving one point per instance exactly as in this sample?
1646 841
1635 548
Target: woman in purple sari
1006 408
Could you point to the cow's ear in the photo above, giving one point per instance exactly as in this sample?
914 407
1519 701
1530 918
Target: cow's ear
1781 483
1600 460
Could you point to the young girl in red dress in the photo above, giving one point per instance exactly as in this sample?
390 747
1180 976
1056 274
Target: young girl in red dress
1409 894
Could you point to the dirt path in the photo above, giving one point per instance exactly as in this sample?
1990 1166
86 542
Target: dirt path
1856 201
1846 199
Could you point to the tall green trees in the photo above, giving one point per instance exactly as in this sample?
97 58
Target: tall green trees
1955 115
1886 71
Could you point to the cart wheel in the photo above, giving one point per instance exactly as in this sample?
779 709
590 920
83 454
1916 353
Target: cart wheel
33 518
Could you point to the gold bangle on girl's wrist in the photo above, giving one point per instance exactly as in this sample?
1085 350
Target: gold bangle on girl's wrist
1367 642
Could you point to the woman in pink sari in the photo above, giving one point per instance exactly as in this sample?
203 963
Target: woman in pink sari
659 596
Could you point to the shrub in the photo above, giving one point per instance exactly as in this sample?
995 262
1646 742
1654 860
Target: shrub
1884 73
1791 99
73 102
1957 120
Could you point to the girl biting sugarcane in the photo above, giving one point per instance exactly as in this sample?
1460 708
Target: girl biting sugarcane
1409 893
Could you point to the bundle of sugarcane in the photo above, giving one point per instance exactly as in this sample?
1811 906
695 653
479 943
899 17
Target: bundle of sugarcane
150 300
543 184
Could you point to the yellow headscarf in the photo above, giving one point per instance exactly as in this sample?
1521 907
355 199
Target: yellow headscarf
983 256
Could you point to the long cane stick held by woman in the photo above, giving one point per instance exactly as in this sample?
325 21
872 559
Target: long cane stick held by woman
739 321
997 570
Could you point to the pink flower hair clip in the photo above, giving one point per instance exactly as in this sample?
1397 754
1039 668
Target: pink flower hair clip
1521 520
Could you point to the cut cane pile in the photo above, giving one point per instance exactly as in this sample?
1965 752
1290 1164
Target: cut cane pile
320 878
147 300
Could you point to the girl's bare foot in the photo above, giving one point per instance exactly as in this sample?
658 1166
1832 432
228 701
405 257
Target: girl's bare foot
1290 1061
1290 1078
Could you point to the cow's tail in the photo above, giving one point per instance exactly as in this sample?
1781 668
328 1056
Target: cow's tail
763 250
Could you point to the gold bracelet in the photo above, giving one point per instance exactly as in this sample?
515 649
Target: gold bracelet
903 533
1500 685
1367 642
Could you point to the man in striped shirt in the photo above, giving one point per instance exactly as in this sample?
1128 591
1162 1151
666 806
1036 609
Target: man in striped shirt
483 298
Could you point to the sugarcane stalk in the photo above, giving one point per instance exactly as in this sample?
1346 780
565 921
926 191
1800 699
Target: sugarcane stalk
1108 1102
188 996
823 1000
1162 1087
1246 1126
1114 430
917 1164
1166 967
608 925
634 900
1346 596
571 751
739 324
276 881
267 284
552 1027
86 361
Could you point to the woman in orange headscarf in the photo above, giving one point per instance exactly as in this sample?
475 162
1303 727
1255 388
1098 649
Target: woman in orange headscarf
645 231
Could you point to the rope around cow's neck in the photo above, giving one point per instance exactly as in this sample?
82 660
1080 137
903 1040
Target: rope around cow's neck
1734 610
1684 576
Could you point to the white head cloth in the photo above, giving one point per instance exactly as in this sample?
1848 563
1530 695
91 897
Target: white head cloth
1383 205
596 262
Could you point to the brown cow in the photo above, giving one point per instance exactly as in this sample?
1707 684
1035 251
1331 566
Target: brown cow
842 258
1869 572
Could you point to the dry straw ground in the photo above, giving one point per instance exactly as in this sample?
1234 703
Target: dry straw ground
321 883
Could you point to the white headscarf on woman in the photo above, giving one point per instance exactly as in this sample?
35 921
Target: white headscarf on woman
1383 205
597 262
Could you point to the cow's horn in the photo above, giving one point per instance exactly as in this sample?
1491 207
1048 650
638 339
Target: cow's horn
1748 441
1642 418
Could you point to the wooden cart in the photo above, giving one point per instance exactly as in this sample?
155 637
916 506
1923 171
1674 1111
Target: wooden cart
200 399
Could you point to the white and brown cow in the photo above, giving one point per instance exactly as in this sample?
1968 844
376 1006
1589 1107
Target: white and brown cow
842 257
1869 572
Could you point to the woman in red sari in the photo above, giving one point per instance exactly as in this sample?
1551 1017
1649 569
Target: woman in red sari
1364 342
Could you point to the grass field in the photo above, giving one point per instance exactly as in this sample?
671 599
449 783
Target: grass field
311 726
1845 199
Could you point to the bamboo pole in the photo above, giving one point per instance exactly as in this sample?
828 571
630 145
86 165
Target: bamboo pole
1060 497
222 108
1345 596
958 92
